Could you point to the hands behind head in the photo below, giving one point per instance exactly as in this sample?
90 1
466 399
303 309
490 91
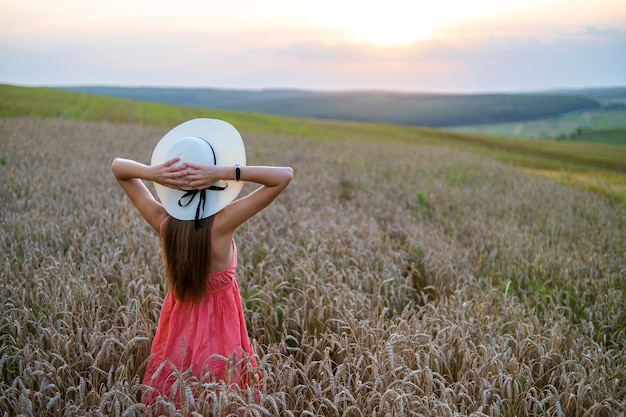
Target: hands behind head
186 175
168 174
202 176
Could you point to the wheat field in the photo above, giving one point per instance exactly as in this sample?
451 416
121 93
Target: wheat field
390 279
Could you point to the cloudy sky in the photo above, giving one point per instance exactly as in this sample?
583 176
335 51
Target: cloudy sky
402 45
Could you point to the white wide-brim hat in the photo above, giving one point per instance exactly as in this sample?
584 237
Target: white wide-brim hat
205 142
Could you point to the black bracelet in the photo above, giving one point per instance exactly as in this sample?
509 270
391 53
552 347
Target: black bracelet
237 172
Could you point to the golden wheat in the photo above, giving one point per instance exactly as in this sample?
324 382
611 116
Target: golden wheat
390 279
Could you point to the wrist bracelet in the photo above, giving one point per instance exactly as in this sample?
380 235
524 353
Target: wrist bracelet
237 172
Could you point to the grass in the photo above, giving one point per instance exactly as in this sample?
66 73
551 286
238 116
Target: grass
616 135
590 126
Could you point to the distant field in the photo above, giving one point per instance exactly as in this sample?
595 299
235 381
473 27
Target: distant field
600 167
603 126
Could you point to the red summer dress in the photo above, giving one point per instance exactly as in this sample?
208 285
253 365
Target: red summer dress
191 334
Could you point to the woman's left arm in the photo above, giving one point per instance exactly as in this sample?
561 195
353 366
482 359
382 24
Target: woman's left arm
273 181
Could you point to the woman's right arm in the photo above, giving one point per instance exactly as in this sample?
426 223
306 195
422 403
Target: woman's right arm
129 175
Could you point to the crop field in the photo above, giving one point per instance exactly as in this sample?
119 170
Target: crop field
392 278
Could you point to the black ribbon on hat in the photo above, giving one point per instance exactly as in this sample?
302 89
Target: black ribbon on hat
191 194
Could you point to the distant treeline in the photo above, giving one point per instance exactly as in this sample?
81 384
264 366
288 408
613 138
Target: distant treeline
434 110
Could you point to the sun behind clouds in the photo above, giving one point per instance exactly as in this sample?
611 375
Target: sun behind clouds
388 23
382 35
402 22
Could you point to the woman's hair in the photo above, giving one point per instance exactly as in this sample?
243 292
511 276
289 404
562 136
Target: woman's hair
187 256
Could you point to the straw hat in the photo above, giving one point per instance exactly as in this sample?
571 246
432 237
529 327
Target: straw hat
206 142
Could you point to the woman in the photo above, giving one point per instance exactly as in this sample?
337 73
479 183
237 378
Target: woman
198 169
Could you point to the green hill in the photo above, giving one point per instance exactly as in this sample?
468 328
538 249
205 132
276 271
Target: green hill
432 110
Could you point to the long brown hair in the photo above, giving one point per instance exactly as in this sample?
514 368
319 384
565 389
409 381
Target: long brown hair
187 256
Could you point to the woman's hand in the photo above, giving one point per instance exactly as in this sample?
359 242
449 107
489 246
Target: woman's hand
168 174
203 176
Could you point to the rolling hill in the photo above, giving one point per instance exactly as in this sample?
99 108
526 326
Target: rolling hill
431 110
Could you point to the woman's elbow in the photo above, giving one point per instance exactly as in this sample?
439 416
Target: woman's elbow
288 175
119 167
115 166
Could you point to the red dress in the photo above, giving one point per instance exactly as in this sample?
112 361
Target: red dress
189 334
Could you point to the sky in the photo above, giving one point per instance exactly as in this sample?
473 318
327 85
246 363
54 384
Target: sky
398 45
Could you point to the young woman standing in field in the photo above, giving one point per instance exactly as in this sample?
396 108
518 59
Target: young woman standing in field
198 169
